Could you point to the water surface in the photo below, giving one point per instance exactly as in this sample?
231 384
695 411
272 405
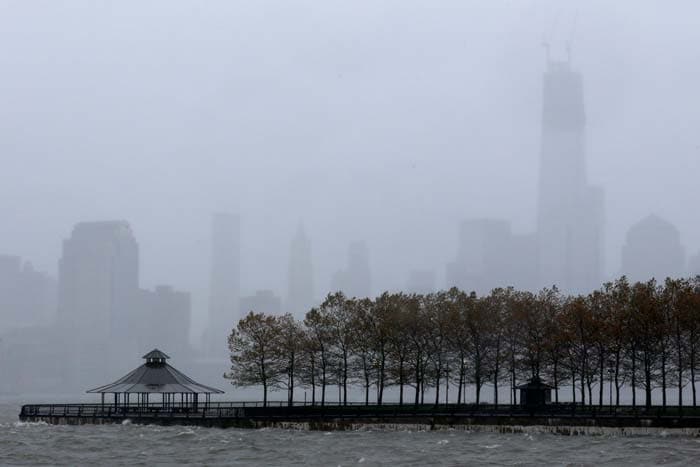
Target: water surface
22 443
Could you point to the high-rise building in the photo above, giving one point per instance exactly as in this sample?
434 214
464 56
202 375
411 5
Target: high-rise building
355 280
421 281
570 210
224 282
165 320
653 250
300 293
97 297
489 255
98 279
694 265
264 301
27 296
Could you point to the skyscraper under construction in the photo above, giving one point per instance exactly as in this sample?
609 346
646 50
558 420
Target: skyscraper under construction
570 210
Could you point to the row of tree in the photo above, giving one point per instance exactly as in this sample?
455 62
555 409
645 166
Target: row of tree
636 337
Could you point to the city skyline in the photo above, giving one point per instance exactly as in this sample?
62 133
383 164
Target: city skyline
451 131
393 149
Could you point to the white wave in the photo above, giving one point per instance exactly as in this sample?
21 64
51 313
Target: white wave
22 424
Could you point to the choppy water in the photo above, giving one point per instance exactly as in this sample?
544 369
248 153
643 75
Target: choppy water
148 445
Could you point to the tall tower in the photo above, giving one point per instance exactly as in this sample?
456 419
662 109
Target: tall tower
300 293
224 281
653 249
98 279
570 211
355 280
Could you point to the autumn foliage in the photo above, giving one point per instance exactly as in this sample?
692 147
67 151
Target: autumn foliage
634 340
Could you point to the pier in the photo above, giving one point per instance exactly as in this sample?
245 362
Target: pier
255 414
156 393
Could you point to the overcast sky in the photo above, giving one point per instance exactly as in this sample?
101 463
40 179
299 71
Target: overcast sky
387 121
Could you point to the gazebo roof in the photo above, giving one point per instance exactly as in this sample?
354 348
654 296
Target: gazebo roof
156 354
535 383
156 376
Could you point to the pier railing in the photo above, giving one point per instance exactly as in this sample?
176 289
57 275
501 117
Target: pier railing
307 411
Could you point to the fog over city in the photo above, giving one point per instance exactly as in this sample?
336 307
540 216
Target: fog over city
349 129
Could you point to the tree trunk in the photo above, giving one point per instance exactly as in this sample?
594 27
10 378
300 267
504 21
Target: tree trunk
477 380
345 378
495 383
437 386
417 375
291 383
380 394
634 379
555 372
447 386
692 370
367 390
313 380
583 383
601 375
323 386
692 381
647 381
460 382
679 351
401 381
617 378
663 379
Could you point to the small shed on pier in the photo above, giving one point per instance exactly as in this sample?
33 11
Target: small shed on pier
156 376
535 393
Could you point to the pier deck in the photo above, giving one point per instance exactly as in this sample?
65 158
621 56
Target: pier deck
255 414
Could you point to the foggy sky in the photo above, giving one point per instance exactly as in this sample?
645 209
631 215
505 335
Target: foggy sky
387 121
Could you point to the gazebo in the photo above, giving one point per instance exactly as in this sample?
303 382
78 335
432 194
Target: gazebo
535 393
156 376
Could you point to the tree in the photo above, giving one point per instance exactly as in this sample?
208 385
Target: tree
361 346
578 327
319 337
678 307
437 308
550 305
254 356
290 338
379 328
648 328
496 306
692 327
338 313
308 362
618 299
513 330
460 340
399 344
417 335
